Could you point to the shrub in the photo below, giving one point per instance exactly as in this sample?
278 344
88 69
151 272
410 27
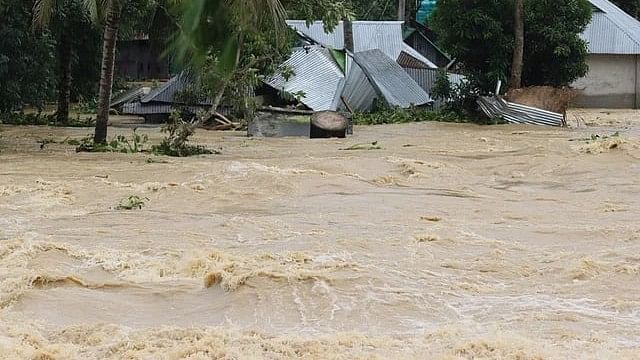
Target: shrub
176 143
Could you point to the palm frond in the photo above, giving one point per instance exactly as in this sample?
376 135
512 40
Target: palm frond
98 9
42 12
217 27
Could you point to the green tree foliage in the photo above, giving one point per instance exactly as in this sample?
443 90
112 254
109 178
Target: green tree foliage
381 9
330 11
85 68
374 9
631 7
27 59
77 50
479 34
554 52
230 43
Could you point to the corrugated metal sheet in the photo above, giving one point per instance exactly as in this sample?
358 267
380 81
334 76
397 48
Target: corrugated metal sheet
333 40
612 31
420 40
367 35
406 49
383 35
316 74
496 107
137 108
390 80
165 92
129 96
409 62
426 78
358 91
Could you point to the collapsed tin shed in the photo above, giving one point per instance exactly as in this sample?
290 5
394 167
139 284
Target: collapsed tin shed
358 84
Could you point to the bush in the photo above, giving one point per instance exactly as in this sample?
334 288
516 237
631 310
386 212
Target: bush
87 106
120 144
401 116
176 143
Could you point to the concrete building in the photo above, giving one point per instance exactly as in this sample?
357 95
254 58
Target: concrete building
613 80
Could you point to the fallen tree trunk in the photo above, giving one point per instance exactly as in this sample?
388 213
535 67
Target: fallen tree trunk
286 111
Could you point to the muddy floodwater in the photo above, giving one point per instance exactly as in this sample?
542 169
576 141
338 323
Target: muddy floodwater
448 242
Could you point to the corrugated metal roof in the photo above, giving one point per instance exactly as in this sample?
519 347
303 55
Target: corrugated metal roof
383 35
153 108
166 91
358 91
316 74
426 78
416 55
129 96
612 31
409 62
137 108
390 80
367 35
315 30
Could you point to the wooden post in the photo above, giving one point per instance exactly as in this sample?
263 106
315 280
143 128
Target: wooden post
348 35
402 9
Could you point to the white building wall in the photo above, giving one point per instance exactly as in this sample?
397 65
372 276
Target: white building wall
637 82
612 82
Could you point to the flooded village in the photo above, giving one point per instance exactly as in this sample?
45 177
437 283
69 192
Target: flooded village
365 193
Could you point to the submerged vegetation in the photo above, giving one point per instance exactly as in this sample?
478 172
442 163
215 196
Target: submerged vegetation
122 144
176 143
401 116
132 202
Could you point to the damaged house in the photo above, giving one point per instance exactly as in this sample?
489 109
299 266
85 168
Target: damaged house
355 68
352 67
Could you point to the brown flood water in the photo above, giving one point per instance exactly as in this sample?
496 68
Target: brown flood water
451 242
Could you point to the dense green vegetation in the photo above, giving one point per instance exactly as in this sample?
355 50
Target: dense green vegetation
402 116
63 50
27 60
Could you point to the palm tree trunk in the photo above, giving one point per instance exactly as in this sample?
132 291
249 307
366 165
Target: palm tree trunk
106 74
518 50
64 82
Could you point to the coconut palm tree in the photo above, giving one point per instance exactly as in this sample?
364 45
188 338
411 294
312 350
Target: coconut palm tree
109 14
108 11
67 16
218 28
215 32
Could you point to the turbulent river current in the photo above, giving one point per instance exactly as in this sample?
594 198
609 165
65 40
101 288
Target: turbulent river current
443 241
